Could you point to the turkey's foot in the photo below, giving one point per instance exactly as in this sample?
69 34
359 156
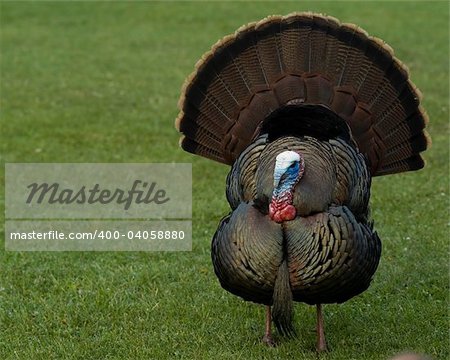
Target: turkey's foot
321 345
268 340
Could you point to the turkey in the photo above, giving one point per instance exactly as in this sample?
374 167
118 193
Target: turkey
306 110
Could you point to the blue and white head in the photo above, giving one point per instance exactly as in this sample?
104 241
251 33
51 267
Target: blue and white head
289 168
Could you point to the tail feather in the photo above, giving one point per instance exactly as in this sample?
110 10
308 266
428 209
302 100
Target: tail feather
197 148
414 162
401 151
269 52
319 44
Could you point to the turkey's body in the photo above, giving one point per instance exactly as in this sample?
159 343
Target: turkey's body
306 111
330 248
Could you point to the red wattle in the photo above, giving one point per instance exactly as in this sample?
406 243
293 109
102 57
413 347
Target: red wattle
288 213
281 212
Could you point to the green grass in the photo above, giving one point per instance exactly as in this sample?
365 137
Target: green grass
99 82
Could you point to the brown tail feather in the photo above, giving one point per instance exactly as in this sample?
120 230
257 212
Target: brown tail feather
303 59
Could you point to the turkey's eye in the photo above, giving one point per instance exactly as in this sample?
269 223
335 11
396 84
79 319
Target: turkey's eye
292 165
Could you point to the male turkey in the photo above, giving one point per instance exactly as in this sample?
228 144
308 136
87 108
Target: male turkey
306 110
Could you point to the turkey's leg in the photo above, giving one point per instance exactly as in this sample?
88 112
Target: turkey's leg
267 338
321 342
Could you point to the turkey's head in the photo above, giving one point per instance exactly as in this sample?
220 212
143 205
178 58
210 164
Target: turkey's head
289 168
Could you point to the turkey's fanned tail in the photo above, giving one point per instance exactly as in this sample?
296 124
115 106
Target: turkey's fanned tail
299 60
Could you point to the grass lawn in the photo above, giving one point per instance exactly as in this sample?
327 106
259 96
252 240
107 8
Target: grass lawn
99 82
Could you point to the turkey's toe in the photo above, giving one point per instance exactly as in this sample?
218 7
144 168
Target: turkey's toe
267 339
321 347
